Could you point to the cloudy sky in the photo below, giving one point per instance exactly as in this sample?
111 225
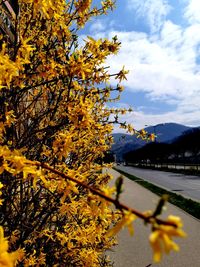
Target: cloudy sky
161 49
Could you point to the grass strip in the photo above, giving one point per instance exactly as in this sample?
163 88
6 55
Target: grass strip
190 206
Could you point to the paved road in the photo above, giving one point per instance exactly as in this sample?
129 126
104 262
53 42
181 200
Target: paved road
186 185
135 251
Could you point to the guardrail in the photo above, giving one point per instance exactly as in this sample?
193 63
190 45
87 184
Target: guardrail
169 166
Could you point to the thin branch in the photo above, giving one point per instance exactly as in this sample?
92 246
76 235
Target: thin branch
97 192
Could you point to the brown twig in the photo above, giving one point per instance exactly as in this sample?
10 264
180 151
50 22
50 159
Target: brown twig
97 192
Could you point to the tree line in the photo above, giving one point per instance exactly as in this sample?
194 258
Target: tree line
183 149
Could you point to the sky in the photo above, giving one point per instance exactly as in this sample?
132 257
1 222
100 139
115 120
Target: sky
161 49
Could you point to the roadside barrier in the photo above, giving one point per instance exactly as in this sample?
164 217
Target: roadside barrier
168 166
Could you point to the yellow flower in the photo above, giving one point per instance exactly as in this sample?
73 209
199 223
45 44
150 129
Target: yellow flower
1 185
161 237
152 137
122 74
83 6
143 133
8 259
126 220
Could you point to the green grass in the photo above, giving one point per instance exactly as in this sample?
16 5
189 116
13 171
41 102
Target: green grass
190 206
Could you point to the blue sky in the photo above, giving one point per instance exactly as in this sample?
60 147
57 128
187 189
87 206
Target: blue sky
161 49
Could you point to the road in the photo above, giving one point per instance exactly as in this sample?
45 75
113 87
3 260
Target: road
135 251
185 185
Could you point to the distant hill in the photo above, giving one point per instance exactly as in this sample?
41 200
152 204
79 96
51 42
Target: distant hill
165 133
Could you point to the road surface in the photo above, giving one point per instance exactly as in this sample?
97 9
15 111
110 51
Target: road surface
185 185
135 251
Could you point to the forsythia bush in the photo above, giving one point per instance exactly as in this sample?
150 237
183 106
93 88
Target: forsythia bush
55 127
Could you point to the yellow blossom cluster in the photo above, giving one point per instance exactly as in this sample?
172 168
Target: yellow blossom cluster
8 259
161 237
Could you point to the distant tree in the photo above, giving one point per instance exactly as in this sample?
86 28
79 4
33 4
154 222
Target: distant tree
185 148
109 157
188 142
155 152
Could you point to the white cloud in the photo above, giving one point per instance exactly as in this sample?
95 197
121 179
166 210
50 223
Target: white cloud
164 65
192 11
160 68
155 11
139 119
97 26
100 26
165 68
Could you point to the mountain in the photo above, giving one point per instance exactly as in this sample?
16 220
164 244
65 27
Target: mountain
165 132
